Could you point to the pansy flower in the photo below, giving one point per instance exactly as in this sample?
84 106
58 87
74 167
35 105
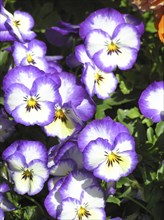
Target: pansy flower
18 25
32 53
85 184
109 40
89 206
110 162
74 108
96 81
32 106
120 49
27 169
151 102
108 149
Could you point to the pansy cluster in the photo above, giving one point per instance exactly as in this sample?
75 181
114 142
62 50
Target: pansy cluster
38 91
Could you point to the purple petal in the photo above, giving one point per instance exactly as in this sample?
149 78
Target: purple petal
104 19
23 74
33 150
151 101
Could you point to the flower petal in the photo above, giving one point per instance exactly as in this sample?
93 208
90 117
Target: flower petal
117 170
22 185
104 19
95 41
124 142
60 129
33 150
106 86
94 153
127 36
14 97
40 117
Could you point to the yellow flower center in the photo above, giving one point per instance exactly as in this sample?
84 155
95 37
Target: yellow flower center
82 212
30 59
112 158
27 174
16 23
98 78
32 103
59 114
112 47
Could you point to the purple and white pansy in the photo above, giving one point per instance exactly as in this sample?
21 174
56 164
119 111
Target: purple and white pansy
27 164
151 101
17 26
109 40
32 53
74 108
95 80
108 149
34 103
87 201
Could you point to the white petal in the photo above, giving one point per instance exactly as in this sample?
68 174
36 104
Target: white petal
126 59
123 142
95 41
16 162
117 170
22 186
106 62
89 79
40 169
128 37
94 154
94 197
108 173
41 116
15 97
96 214
155 99
60 129
107 85
46 89
81 54
36 185
68 210
19 52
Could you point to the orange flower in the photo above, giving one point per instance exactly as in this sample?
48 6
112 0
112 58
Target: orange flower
161 29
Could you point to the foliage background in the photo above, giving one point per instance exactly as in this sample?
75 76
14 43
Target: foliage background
139 196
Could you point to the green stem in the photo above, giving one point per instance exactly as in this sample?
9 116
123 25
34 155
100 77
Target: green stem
36 203
138 203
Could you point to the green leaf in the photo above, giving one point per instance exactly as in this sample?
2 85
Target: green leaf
133 113
100 110
1 101
113 199
3 57
159 128
123 181
147 121
160 173
150 134
125 87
